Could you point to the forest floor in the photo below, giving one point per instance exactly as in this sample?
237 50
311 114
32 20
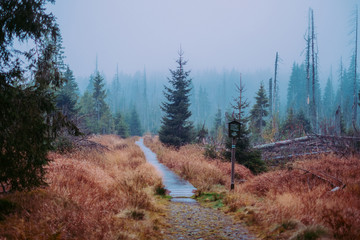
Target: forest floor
110 191
309 198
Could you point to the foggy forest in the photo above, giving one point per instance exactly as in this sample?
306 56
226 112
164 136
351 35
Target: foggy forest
195 120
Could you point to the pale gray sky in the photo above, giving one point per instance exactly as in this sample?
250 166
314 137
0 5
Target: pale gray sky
240 34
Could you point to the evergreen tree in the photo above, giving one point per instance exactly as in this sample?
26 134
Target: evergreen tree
67 96
297 93
94 109
101 109
87 113
176 129
258 113
27 103
134 124
295 125
121 128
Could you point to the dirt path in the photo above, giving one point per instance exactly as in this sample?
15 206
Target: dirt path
192 221
186 218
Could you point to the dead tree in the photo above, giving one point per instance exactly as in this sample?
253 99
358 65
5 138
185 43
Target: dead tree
355 95
276 86
270 97
313 63
308 68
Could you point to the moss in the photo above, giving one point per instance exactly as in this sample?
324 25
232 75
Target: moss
211 199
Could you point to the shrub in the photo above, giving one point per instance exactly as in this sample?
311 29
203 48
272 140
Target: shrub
210 151
310 233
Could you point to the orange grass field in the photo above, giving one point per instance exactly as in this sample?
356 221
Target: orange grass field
92 193
280 204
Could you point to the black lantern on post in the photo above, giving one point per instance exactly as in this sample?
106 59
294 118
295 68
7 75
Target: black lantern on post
234 133
234 129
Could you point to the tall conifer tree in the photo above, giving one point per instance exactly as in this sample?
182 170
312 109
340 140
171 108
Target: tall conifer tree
259 112
176 129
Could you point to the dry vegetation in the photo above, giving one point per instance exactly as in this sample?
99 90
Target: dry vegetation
93 193
281 204
190 163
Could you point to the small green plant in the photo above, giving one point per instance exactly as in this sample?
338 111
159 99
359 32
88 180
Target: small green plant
215 199
310 233
160 190
210 151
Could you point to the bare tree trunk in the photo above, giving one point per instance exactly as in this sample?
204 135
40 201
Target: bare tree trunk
240 99
308 67
355 95
313 102
276 85
276 95
270 97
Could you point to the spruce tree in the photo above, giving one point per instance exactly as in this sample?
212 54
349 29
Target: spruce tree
67 96
258 113
121 128
101 108
87 113
134 123
27 102
176 129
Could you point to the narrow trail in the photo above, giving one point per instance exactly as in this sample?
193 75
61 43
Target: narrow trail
186 218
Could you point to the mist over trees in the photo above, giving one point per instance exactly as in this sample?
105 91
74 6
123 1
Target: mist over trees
41 101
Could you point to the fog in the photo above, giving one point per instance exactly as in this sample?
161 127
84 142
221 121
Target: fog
232 34
221 40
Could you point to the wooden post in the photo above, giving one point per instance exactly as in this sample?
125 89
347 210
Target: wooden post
232 163
234 132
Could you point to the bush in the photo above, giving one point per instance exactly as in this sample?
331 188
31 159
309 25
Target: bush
210 151
310 233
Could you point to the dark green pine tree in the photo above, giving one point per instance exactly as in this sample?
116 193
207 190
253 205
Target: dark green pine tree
258 113
67 96
134 123
27 104
101 108
176 130
121 127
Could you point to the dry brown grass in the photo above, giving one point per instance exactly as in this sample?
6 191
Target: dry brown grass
281 203
190 163
92 194
282 195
